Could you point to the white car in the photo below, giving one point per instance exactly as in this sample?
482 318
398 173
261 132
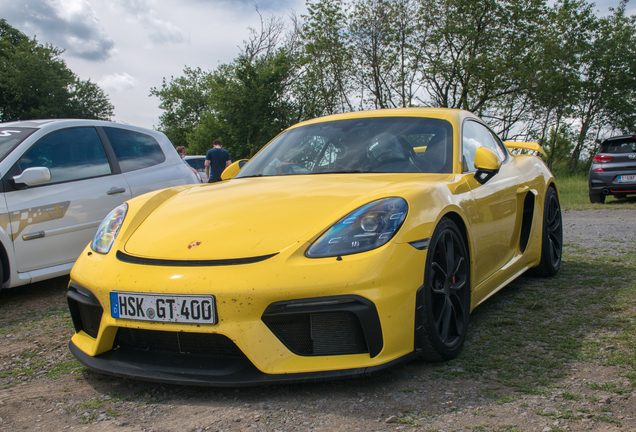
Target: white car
59 180
197 163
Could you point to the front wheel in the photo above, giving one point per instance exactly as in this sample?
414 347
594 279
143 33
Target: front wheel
552 237
446 291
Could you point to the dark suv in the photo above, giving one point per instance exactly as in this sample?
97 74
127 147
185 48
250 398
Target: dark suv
613 170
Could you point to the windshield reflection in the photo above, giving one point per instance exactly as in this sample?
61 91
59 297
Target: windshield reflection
368 145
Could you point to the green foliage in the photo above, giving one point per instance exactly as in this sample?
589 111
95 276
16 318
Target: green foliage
325 82
249 102
35 83
184 100
557 74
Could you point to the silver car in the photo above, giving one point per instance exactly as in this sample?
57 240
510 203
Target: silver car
61 177
198 163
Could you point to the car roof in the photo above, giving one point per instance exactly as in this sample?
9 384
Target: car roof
621 137
48 125
42 123
441 113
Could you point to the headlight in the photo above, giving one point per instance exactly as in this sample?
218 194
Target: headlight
366 228
108 229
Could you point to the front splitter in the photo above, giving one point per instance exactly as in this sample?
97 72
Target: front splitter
207 371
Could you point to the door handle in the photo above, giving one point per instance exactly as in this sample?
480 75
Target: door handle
115 191
33 236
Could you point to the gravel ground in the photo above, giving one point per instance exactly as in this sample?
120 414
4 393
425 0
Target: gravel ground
42 387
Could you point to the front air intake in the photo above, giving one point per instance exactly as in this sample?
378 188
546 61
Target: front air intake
319 334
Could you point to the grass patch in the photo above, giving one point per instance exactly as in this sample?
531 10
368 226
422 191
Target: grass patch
574 194
525 335
609 387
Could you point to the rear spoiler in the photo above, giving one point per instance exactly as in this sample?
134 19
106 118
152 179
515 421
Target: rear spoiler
525 146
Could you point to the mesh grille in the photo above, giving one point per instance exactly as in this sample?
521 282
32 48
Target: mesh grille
176 342
319 334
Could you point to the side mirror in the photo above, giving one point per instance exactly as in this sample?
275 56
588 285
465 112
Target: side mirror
33 176
487 164
233 169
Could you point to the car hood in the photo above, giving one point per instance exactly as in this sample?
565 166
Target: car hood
244 218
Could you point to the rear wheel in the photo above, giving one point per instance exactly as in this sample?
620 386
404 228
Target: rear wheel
552 236
597 198
446 302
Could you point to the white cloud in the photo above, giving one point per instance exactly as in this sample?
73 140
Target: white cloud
144 13
155 39
117 82
72 25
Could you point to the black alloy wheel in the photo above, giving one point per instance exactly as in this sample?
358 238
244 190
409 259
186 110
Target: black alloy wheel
552 238
446 291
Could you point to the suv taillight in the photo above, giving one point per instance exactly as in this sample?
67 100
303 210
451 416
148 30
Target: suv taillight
602 158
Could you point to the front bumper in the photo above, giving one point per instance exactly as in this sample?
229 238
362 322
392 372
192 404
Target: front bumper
380 287
203 372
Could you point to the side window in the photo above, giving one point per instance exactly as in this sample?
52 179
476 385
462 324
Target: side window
476 135
134 150
70 154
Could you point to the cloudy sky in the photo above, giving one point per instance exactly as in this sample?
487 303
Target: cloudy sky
128 46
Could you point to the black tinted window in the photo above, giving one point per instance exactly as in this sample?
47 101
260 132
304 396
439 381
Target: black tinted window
619 146
10 138
70 154
134 150
197 164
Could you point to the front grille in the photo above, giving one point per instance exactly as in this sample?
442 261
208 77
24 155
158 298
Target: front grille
319 334
208 344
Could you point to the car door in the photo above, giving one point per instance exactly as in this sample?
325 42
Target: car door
141 160
52 222
495 212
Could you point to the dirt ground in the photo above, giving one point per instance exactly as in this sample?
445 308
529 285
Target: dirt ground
43 387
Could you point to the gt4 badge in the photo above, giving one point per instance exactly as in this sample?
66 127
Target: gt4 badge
194 244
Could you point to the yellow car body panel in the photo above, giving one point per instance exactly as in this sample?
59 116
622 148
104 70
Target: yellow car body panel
283 216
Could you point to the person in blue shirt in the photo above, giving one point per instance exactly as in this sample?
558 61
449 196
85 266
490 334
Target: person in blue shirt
216 160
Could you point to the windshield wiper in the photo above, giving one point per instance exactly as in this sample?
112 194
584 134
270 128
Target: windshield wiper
343 172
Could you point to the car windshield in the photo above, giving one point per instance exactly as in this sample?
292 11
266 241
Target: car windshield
627 145
10 137
365 145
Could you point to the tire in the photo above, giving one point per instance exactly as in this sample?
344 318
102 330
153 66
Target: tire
552 237
446 294
597 198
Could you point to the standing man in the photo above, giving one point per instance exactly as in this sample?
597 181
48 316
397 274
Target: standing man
216 161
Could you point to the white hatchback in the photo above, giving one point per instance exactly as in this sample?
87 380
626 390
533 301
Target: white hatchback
59 180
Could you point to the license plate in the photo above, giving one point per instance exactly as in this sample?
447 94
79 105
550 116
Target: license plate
627 178
163 308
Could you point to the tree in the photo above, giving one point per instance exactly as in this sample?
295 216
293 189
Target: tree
476 52
326 64
35 83
184 100
607 96
387 50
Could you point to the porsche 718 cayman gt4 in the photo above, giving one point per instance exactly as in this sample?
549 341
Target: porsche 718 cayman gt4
348 244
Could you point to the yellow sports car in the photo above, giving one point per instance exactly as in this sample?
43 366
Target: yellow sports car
347 245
